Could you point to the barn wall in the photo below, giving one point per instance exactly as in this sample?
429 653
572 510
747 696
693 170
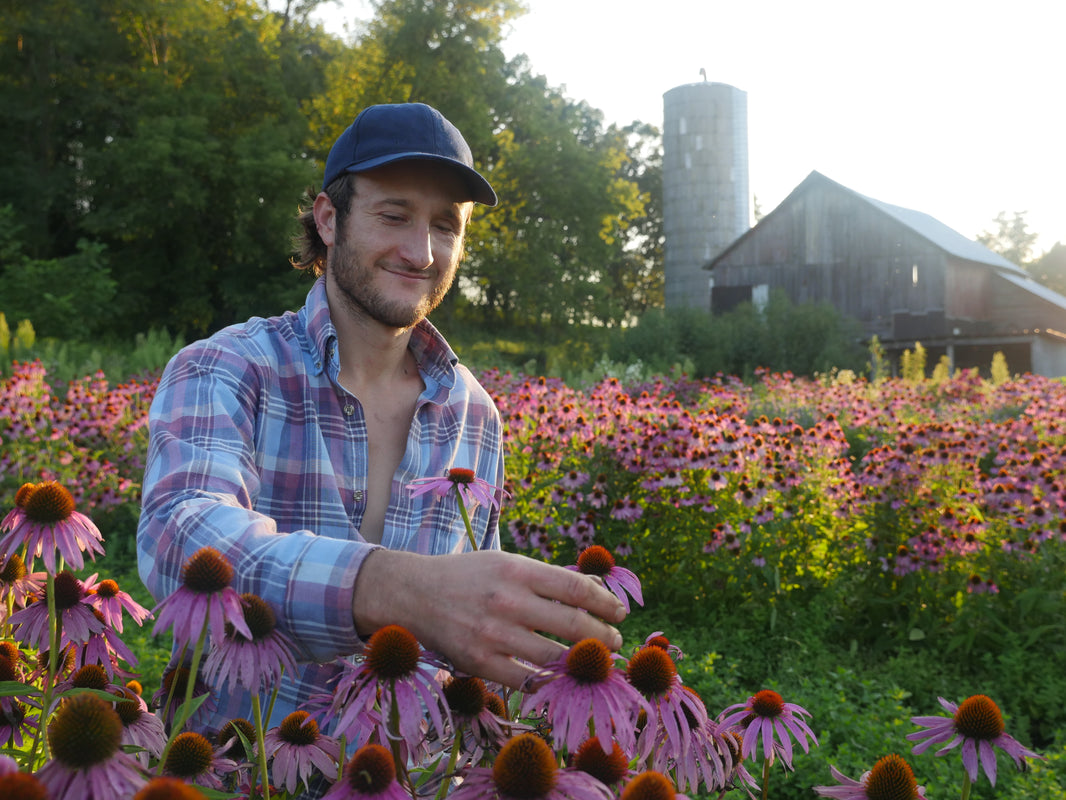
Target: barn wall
825 245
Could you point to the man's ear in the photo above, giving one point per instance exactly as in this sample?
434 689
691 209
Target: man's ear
325 219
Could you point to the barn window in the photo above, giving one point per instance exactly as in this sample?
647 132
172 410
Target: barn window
914 274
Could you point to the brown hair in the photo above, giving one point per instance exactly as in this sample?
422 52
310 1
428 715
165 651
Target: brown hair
309 247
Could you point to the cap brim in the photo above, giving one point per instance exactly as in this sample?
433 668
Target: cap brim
481 190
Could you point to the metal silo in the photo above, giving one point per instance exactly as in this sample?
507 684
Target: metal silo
706 204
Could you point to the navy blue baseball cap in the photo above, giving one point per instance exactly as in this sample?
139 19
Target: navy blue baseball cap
385 133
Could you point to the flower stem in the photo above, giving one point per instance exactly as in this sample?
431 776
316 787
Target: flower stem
396 742
466 521
190 685
966 785
39 740
260 744
766 778
446 781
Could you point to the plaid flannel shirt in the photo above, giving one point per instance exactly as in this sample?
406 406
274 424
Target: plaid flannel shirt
258 451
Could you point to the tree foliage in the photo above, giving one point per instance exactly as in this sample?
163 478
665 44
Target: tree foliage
1011 238
156 151
1050 268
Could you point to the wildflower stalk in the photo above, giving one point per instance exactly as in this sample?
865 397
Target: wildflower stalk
40 742
260 744
183 713
766 777
453 759
967 784
396 740
466 522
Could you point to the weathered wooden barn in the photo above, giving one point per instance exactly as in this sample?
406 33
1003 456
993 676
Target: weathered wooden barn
903 275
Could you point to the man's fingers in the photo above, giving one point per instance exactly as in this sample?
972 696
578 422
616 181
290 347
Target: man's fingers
573 624
579 591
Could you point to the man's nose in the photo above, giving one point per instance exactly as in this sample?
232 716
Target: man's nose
417 247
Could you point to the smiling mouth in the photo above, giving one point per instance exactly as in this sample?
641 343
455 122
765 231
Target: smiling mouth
414 275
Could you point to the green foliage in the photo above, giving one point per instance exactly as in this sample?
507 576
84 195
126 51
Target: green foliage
877 367
912 364
942 370
157 153
17 345
861 705
68 360
999 372
803 340
63 297
1050 268
816 602
1011 238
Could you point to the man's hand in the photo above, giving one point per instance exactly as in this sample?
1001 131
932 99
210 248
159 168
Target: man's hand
484 610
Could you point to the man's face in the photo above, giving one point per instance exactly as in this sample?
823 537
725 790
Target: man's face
395 256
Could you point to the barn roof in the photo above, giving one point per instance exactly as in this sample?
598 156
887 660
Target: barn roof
1035 287
933 230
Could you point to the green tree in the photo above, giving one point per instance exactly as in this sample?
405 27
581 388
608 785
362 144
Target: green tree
564 245
1011 238
169 135
1050 268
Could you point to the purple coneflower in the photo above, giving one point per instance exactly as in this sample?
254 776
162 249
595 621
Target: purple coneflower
650 785
369 775
109 600
17 784
48 523
765 716
298 748
90 676
598 561
471 489
193 759
105 648
76 618
657 639
707 759
526 769
85 738
174 687
582 690
229 739
254 662
675 714
17 582
891 777
388 677
16 725
977 725
168 788
477 725
610 769
737 776
140 728
205 597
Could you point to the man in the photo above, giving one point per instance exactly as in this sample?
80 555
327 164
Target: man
287 443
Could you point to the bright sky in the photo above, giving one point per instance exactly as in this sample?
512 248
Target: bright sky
953 108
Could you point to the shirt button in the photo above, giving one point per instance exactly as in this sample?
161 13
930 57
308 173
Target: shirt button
358 496
349 409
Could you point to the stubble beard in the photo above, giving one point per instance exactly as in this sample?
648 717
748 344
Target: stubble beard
355 281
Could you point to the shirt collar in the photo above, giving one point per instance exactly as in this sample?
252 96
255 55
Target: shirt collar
432 353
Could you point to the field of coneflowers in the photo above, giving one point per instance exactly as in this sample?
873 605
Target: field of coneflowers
862 548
